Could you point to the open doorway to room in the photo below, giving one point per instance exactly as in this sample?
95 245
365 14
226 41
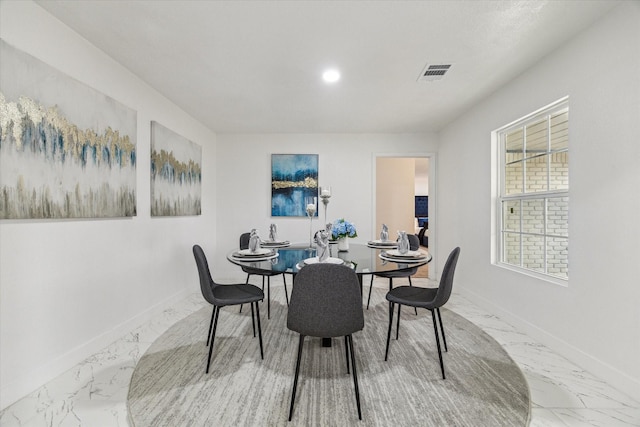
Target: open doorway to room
402 197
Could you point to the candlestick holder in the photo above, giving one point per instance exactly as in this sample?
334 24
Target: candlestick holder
311 204
325 195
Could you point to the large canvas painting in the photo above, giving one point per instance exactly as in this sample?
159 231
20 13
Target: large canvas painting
176 175
66 150
293 178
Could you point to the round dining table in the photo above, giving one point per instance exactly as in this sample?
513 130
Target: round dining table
363 258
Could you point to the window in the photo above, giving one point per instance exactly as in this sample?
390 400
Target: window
532 208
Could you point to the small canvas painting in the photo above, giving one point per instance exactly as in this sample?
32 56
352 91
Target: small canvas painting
294 177
176 175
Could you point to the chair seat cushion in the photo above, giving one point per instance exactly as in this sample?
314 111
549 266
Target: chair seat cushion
413 296
401 273
259 272
236 294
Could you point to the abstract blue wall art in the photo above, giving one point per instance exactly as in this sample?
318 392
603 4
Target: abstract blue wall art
176 176
293 177
66 150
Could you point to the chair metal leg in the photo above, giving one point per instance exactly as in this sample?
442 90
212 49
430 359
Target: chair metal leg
253 321
246 282
268 296
213 336
295 379
398 324
444 340
411 284
370 288
391 308
213 313
355 375
259 329
286 294
346 350
435 329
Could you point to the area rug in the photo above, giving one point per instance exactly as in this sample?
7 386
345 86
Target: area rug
169 387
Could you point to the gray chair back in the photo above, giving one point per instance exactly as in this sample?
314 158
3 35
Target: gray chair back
206 282
244 240
414 242
325 302
446 281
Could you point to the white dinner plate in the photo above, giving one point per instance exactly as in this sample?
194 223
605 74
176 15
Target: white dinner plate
255 258
259 252
402 260
394 253
270 244
330 260
380 244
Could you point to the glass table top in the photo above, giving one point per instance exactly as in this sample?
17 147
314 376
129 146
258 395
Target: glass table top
362 258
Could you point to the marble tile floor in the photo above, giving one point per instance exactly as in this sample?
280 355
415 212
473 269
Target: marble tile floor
94 392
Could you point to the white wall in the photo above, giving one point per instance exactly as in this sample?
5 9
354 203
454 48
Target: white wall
395 191
70 287
346 162
595 321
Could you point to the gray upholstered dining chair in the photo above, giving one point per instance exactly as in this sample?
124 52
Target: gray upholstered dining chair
414 245
220 296
244 244
326 302
430 298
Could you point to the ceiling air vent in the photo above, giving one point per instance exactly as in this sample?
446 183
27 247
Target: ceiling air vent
433 72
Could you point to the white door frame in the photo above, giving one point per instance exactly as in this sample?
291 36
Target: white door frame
433 203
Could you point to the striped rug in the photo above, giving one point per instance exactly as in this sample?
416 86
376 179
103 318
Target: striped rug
169 386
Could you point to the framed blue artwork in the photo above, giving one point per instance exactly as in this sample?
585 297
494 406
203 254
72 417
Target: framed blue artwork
294 178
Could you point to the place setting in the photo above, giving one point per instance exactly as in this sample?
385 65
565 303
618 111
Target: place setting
272 241
322 250
403 253
383 242
407 257
259 254
255 252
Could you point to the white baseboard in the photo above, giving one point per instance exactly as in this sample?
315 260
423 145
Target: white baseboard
597 367
20 387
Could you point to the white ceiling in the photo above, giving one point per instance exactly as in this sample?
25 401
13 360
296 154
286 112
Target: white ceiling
255 66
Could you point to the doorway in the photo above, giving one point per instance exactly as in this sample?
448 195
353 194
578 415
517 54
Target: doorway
403 186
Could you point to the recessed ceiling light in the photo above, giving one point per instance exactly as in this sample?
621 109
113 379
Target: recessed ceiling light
331 76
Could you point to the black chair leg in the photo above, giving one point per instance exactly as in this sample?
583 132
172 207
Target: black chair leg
444 340
286 294
370 288
246 282
411 284
295 379
398 324
346 350
355 375
259 329
435 329
253 321
213 313
391 308
268 296
213 336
